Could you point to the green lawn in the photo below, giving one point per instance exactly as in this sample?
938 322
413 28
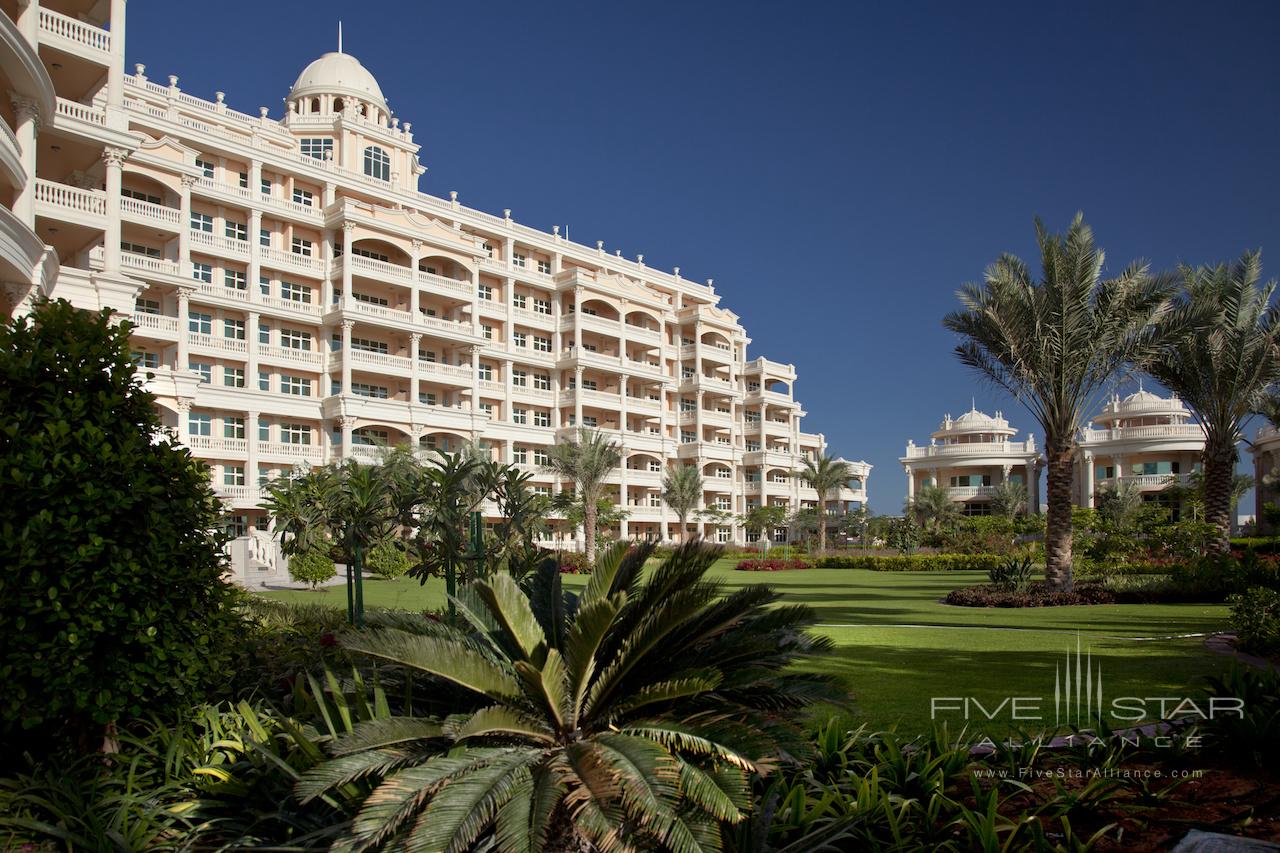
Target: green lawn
898 646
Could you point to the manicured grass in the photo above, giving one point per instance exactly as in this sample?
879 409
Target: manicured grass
898 646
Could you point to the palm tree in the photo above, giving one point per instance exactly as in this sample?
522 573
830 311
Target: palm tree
1009 498
682 491
1118 503
825 474
1055 344
1223 369
586 462
933 509
764 519
630 717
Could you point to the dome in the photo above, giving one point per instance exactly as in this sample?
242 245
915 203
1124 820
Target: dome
974 421
338 74
1141 400
974 418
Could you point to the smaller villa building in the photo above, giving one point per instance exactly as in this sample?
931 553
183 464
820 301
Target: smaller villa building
1143 439
1265 451
970 456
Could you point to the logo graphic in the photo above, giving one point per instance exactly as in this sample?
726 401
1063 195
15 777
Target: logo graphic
1078 698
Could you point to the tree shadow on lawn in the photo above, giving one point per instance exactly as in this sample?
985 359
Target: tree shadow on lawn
899 685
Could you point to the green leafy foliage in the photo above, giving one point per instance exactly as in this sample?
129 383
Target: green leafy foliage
112 600
1255 616
387 561
313 567
1011 574
914 562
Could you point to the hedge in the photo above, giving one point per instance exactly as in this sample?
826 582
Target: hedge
915 563
771 565
1256 544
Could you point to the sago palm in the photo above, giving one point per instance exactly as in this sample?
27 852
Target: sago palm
682 491
586 461
824 475
1220 364
1008 498
1056 345
933 509
627 718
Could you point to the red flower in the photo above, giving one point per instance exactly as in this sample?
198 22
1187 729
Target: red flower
329 641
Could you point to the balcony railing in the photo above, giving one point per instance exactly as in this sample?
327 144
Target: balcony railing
292 260
81 112
452 286
215 343
147 263
78 32
66 197
975 448
155 322
381 270
962 492
220 243
1155 431
217 444
148 211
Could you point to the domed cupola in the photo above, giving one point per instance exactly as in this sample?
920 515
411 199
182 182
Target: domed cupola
337 84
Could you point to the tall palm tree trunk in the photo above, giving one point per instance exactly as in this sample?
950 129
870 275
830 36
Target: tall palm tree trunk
1057 537
684 526
589 522
1219 470
822 522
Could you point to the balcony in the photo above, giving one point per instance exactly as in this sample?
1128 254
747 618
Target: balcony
375 269
381 312
291 305
454 374
222 291
1148 481
155 324
282 260
974 448
238 194
760 395
216 344
962 493
448 326
144 263
204 240
640 333
446 286
239 497
1154 432
62 201
291 356
587 358
291 452
644 367
206 444
380 361
532 318
605 399
78 113
146 213
770 459
707 383
75 37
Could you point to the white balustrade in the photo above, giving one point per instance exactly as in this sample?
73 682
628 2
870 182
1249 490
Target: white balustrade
65 27
67 197
147 210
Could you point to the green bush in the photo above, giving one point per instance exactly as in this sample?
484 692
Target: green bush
915 562
112 598
1255 616
1011 574
1256 544
387 561
311 567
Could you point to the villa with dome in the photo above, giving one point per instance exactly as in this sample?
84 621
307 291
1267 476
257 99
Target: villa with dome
1142 439
296 299
969 456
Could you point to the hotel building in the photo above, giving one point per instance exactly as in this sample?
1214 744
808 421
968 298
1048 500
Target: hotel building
970 456
1144 439
1265 451
297 299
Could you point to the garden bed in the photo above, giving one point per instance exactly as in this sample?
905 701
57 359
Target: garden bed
771 565
1035 595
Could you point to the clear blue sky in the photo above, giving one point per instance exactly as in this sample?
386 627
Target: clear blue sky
838 169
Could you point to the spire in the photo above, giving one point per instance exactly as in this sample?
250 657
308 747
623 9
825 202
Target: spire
339 36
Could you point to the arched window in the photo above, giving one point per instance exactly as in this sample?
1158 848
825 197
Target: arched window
377 163
338 105
315 105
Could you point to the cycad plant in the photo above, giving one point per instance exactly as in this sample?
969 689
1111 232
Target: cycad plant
630 717
1221 363
933 509
586 461
1056 345
1009 498
682 491
825 474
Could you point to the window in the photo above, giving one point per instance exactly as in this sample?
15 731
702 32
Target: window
687 436
486 373
427 355
201 222
541 418
264 429
544 267
367 345
232 427
202 272
266 186
264 285
590 420
540 456
233 329
295 339
139 249
520 455
264 380
306 198
264 333
519 416
146 306
519 300
541 306
722 533
233 377
298 386
488 249
542 381
590 385
377 163
320 149
361 389
369 300
234 280
427 398
520 339
140 196
486 332
487 408
264 237
146 359
204 166
518 260
200 324
199 423
295 434
541 344
295 292
520 378
302 246
485 292
687 405
236 230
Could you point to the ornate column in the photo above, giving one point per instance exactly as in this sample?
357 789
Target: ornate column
347 298
416 256
1087 459
347 326
577 319
184 308
27 115
911 483
114 159
623 497
764 438
115 74
251 448
415 342
255 257
184 425
251 351
475 377
184 227
697 413
348 424
577 396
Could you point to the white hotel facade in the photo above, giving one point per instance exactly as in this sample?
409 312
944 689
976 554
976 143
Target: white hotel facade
298 300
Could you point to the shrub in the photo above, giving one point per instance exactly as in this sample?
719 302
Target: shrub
387 561
311 567
1255 616
112 598
914 562
1011 574
772 565
1035 595
574 563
